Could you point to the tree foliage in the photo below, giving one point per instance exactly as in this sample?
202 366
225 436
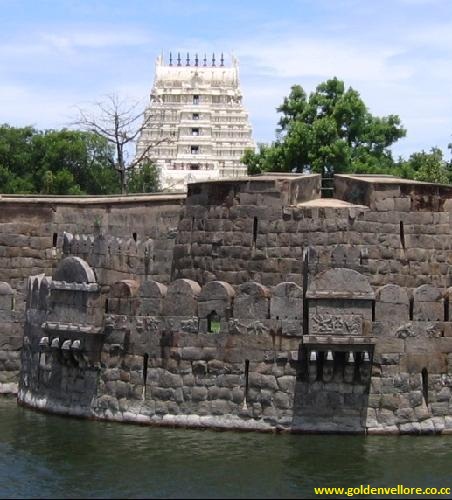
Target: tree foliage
144 179
427 167
329 131
64 162
55 162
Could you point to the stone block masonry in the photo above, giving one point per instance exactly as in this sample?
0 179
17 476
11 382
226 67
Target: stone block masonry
32 242
280 311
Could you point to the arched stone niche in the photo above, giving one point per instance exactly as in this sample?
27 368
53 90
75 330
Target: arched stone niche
286 301
123 297
182 298
124 289
74 270
392 305
428 303
215 306
74 293
252 301
152 294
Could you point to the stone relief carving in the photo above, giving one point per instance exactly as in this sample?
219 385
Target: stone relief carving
257 328
429 330
326 324
234 326
433 331
152 324
189 325
405 331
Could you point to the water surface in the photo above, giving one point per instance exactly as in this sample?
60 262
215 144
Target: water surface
49 456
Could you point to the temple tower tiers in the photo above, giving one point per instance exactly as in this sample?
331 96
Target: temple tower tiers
196 111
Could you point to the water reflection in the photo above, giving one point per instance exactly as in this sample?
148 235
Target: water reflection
48 456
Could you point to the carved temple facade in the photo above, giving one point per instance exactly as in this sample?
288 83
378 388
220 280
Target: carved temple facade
196 127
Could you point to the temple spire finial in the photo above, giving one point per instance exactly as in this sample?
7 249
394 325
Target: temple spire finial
213 59
196 59
178 59
170 59
205 60
188 59
222 60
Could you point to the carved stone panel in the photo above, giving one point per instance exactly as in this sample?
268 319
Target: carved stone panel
327 324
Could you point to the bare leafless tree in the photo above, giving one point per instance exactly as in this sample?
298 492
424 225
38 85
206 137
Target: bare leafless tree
120 123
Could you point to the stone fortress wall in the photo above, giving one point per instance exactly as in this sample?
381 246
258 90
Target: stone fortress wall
283 311
31 240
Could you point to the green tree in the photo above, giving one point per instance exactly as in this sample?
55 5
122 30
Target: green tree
61 182
84 155
144 179
55 162
329 131
16 171
429 167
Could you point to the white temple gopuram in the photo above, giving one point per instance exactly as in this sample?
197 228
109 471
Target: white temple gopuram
196 121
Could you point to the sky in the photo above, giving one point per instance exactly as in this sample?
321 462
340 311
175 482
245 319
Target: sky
57 55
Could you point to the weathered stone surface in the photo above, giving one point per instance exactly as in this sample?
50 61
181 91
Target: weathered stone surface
152 295
151 348
428 304
199 393
287 384
181 298
216 296
340 283
252 301
392 305
286 302
261 381
74 270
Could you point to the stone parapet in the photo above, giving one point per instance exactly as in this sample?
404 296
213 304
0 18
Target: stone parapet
239 357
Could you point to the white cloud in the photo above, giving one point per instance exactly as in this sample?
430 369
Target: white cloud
298 57
106 37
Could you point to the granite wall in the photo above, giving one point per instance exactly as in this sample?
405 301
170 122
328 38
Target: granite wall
337 357
248 231
277 310
31 243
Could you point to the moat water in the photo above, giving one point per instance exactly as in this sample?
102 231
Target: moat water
45 456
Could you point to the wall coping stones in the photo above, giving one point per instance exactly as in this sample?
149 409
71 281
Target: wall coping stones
392 294
91 200
70 327
216 290
83 287
338 340
5 288
124 289
74 269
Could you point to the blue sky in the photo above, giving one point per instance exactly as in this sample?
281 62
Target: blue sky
59 54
